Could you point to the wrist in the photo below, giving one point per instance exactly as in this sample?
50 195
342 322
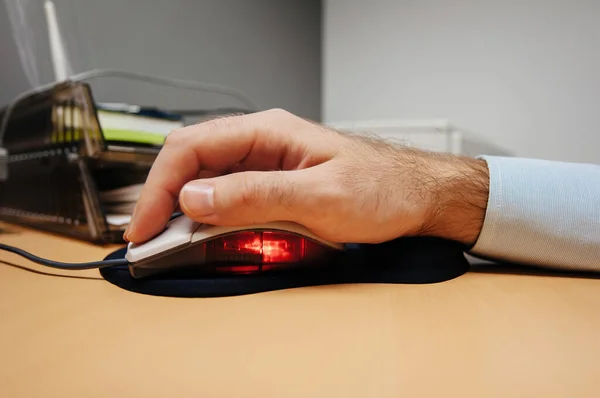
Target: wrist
459 198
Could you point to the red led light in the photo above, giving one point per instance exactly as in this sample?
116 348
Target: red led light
248 252
278 248
239 269
262 247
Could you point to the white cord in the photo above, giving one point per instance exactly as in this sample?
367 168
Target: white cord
166 81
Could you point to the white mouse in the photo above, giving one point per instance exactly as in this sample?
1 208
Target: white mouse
186 244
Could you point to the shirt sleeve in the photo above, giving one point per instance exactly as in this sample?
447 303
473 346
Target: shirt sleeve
542 213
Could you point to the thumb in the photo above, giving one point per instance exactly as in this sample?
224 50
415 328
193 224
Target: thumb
246 198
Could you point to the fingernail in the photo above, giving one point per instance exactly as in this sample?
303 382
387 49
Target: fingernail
130 226
127 232
197 198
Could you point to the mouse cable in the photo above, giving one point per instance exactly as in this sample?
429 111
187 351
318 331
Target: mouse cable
70 266
60 265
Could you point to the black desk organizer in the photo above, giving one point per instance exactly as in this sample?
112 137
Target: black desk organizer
59 161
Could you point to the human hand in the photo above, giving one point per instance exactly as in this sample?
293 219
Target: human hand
274 166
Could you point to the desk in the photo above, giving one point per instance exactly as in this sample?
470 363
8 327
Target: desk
484 334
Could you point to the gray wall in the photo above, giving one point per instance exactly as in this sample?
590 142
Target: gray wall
267 48
12 76
525 74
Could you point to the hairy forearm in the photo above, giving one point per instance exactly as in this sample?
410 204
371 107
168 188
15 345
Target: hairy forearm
459 197
526 211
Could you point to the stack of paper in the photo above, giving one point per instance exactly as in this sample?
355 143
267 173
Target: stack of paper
136 125
119 203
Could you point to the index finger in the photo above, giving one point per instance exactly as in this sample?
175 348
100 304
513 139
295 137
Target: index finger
217 145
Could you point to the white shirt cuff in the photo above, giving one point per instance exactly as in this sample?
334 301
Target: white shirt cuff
542 213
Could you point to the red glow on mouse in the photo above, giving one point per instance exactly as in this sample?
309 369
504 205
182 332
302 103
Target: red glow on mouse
266 247
260 251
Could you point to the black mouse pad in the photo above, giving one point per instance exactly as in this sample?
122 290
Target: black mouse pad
402 261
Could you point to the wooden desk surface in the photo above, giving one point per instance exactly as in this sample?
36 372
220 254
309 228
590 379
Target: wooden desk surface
481 335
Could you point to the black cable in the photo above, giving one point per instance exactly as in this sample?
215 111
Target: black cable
60 265
70 266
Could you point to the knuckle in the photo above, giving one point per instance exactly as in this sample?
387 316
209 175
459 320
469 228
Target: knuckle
279 113
222 124
176 137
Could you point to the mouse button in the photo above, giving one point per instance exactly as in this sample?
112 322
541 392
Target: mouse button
183 224
208 231
178 232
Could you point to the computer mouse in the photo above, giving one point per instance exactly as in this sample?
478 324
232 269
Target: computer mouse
186 245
